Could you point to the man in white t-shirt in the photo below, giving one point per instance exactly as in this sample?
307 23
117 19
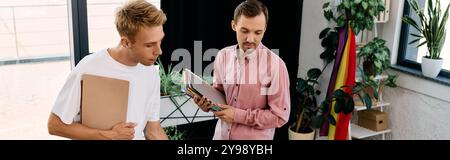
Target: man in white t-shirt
139 24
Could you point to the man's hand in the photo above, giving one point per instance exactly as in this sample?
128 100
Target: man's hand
203 102
122 131
226 114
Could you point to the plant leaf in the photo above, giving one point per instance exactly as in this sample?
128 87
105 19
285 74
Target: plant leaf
314 73
317 121
331 120
349 105
301 85
325 5
324 33
411 22
414 41
367 100
338 105
365 5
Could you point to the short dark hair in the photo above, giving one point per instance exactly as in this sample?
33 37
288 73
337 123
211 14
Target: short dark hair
251 8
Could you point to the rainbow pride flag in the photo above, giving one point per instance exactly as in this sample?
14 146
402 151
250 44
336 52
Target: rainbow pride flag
343 74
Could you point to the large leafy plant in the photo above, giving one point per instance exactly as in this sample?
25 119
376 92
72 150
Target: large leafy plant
431 27
306 117
360 14
375 52
309 113
377 60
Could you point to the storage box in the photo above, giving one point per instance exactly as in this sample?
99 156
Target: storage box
373 119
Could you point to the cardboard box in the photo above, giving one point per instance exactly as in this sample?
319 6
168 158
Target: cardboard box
373 120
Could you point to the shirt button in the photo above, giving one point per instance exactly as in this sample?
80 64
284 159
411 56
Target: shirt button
235 99
237 85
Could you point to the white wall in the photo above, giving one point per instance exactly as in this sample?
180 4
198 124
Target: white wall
313 23
414 113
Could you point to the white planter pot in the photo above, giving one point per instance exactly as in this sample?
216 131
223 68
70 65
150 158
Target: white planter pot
186 112
431 67
301 136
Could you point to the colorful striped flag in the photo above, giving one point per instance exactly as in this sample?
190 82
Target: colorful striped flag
343 74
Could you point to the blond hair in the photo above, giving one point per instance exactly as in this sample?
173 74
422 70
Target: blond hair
136 14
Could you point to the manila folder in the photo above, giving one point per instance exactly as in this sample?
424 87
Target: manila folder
104 101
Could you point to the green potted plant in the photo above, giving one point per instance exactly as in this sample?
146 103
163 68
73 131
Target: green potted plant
432 29
306 120
360 14
376 58
308 116
170 80
176 107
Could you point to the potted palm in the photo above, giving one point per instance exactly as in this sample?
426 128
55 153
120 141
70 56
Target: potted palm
432 29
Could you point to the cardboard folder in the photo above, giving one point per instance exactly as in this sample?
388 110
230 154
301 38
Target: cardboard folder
104 101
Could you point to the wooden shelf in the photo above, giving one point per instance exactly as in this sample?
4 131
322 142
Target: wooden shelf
359 132
377 78
379 104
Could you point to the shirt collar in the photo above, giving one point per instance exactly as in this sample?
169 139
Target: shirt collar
249 56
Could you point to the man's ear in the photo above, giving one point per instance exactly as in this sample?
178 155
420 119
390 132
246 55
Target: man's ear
125 42
233 25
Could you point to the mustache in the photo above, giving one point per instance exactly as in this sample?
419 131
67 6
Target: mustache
249 43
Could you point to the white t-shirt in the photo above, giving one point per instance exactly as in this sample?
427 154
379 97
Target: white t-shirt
143 97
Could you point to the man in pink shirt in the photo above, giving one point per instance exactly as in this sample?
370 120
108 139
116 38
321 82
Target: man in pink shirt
254 80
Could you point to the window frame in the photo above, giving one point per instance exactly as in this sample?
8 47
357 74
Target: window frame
78 24
401 59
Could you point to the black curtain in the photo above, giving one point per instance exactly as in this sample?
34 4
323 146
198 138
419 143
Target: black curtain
209 21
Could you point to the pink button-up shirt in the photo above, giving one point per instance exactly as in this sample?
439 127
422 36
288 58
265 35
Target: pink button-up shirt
258 87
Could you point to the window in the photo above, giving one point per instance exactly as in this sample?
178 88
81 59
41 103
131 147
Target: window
31 31
409 55
43 31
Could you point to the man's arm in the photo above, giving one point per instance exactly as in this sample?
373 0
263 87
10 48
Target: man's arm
154 131
79 131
